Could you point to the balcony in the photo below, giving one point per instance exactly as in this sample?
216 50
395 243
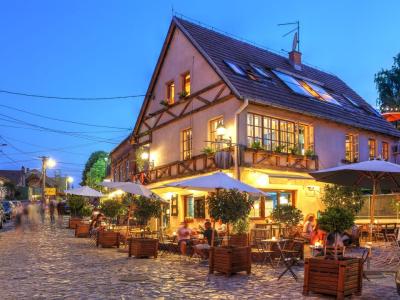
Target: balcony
251 158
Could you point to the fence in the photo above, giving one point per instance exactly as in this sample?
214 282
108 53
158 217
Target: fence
386 207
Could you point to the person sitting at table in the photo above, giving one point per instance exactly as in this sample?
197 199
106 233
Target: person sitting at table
95 224
202 248
221 228
308 227
317 235
184 233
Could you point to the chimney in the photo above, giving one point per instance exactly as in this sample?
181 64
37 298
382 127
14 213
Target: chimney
295 59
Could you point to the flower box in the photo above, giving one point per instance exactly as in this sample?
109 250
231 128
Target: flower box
229 260
82 230
239 240
339 278
108 239
143 247
73 222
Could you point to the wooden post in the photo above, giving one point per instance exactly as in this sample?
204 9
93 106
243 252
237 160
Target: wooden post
341 280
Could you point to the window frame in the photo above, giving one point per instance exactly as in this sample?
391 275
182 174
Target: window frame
262 72
198 213
353 154
184 83
212 133
170 92
272 134
385 151
372 148
235 68
186 142
262 199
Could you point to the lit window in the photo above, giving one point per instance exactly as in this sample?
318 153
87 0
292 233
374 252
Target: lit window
186 83
385 150
260 71
351 148
186 144
292 83
235 68
372 148
213 133
195 207
322 93
256 210
171 92
278 135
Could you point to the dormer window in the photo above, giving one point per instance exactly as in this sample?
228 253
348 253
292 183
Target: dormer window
306 88
260 71
351 100
235 68
171 92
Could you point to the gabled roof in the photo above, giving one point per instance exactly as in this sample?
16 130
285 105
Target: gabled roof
14 176
217 48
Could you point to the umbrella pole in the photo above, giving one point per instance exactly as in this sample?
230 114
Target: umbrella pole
372 206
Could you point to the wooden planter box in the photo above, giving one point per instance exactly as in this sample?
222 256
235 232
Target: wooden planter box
229 260
73 222
339 278
239 240
143 247
82 230
108 239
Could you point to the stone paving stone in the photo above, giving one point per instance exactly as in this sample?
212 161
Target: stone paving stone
50 263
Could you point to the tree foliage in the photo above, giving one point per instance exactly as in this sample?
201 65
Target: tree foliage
229 206
350 198
336 220
95 169
145 209
388 85
79 206
112 208
287 214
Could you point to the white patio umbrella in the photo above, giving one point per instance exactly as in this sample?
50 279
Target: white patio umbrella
367 174
129 187
213 182
84 191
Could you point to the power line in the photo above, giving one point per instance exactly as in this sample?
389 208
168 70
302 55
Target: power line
62 120
78 132
71 98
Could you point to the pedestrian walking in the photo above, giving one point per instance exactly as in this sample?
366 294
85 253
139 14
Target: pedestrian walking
42 209
52 209
60 212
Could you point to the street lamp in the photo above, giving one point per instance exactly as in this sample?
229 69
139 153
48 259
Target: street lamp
69 181
47 162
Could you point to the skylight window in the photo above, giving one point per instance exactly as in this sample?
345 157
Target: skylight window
324 94
260 71
292 83
306 88
235 68
351 100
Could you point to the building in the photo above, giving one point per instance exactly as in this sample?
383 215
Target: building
122 161
217 103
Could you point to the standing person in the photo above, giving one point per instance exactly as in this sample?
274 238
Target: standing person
18 216
60 213
308 227
52 209
42 209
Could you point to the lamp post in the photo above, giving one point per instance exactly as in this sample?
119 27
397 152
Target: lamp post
69 181
47 162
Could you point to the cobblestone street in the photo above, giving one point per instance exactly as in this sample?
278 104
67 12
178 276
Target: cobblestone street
50 263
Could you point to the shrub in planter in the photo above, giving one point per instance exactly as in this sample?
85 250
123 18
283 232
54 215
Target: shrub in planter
80 208
340 277
144 210
240 230
229 206
350 198
112 208
288 215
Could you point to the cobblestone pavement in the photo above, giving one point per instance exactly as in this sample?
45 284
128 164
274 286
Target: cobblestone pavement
50 263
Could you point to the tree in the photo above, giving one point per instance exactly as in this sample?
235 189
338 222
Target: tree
336 220
145 209
95 169
350 198
388 85
287 214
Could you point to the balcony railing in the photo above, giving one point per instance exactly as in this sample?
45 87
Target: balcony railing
204 163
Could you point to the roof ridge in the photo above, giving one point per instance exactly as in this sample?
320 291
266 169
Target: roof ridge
240 39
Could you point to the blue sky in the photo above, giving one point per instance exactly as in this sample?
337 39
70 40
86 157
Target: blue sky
109 48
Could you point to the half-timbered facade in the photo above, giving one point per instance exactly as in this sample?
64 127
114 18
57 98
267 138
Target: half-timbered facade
217 103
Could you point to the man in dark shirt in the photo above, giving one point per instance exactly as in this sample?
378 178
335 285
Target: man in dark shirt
203 248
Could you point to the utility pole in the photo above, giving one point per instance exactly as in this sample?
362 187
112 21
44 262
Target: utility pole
47 162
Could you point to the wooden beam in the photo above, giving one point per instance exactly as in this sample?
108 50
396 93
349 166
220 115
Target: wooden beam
171 113
219 93
186 106
220 100
203 100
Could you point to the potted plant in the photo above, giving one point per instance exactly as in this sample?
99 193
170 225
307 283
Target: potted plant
111 208
164 103
229 206
310 154
82 228
76 204
336 276
256 145
183 94
208 151
143 210
279 148
240 237
287 215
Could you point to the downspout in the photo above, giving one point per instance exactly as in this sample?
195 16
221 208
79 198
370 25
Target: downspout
237 150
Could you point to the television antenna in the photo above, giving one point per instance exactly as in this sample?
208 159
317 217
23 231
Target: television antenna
296 37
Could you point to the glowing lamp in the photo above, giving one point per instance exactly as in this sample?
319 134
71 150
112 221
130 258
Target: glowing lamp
50 163
273 238
221 130
70 179
145 155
